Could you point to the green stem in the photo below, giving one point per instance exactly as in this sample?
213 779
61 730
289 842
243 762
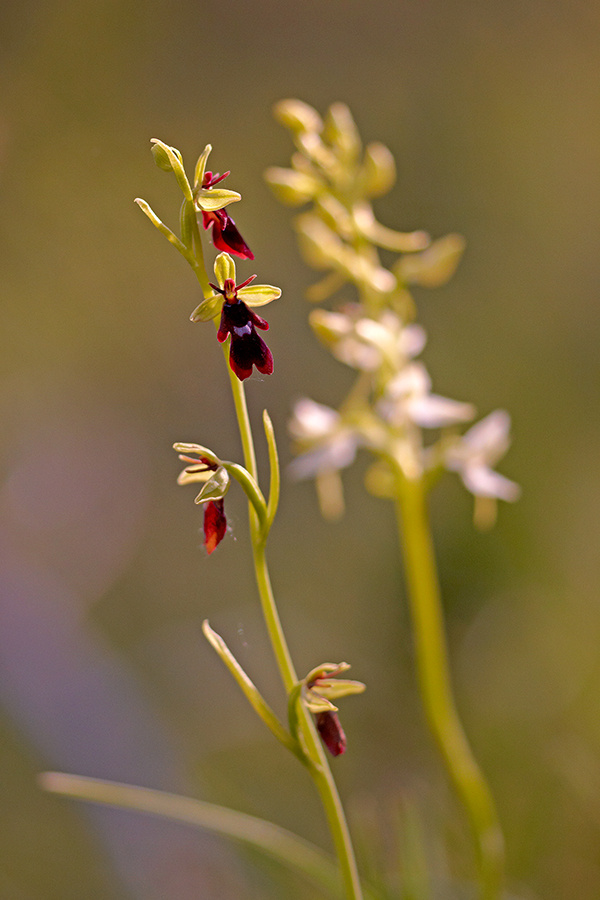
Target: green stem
198 252
319 766
271 615
317 762
241 411
435 684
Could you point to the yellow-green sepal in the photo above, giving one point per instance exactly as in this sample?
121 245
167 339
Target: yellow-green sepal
163 155
185 450
201 166
298 116
224 268
378 171
258 294
208 309
215 488
318 690
211 199
341 132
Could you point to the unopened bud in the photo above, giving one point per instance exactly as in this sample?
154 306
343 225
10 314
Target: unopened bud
435 265
291 187
341 132
379 170
298 116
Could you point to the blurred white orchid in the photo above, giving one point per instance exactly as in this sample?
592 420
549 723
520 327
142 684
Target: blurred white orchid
475 454
328 443
367 344
408 397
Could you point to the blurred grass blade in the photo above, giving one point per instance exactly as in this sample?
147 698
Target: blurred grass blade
278 843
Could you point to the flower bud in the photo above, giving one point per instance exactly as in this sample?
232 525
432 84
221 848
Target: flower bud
161 157
434 266
298 116
170 160
342 133
291 187
378 170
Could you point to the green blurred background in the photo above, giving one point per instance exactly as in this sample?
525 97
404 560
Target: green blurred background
492 111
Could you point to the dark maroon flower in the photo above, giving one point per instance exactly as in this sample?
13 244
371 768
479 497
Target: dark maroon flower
331 732
214 486
215 524
225 234
320 687
247 348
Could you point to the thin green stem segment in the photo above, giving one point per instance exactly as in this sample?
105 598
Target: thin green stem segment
319 767
320 771
435 684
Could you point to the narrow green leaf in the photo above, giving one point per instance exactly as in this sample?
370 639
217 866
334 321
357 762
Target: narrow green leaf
285 847
250 690
158 223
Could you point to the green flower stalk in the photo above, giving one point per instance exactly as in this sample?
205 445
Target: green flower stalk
230 305
413 433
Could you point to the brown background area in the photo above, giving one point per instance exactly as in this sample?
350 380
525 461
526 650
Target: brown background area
492 112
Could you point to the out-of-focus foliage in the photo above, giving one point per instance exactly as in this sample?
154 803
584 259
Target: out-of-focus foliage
491 112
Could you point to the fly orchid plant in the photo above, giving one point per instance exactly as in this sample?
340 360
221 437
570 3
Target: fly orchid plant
313 724
391 412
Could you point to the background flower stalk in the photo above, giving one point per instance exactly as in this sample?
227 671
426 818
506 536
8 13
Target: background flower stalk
391 410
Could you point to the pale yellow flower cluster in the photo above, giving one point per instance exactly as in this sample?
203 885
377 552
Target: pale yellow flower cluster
391 410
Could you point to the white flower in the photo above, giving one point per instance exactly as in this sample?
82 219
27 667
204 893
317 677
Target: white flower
329 443
367 343
408 397
475 454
